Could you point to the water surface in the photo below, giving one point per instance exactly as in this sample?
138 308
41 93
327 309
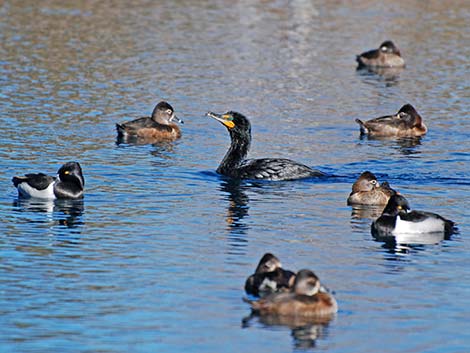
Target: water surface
155 256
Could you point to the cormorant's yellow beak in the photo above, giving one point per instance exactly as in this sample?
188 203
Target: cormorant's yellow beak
225 119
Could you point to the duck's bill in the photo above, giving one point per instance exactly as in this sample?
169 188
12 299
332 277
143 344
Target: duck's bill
174 117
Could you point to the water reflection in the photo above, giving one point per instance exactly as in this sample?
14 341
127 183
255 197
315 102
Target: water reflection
67 213
237 210
413 238
161 149
405 145
366 212
304 331
389 75
139 140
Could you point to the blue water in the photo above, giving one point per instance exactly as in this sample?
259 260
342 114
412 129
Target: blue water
155 256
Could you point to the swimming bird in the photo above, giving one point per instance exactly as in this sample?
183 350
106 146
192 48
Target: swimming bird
366 190
397 219
304 300
68 184
387 55
406 123
159 127
235 165
269 277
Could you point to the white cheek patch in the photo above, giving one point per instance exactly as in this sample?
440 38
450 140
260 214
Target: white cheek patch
428 225
27 191
268 285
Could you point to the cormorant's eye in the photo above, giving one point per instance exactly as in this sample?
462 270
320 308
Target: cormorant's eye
227 117
373 182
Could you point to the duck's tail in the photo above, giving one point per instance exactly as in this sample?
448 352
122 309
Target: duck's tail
450 228
120 130
17 180
362 126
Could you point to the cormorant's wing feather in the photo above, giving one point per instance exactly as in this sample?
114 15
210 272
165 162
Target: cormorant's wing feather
276 169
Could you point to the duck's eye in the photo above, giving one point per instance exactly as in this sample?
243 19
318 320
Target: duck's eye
67 172
169 111
399 207
373 182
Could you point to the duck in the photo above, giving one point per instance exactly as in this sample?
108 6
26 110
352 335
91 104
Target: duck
269 277
366 190
387 55
405 123
69 183
304 300
235 165
397 219
158 127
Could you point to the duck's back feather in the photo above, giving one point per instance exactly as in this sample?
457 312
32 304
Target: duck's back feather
35 185
38 181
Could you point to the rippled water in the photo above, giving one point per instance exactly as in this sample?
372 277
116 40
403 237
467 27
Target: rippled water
155 256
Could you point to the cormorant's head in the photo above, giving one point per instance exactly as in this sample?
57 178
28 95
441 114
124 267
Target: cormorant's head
233 121
389 47
396 204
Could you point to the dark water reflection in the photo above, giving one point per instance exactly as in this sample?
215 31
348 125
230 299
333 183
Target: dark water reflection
155 256
238 205
389 75
67 213
304 332
407 146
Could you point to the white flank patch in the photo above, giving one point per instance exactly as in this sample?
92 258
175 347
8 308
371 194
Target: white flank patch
28 191
268 285
429 225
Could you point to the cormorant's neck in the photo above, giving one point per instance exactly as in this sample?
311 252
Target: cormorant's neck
236 153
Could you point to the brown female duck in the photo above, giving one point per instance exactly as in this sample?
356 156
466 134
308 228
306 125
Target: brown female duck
305 300
366 190
158 127
406 123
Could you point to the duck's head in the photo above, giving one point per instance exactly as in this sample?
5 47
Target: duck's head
268 263
396 204
389 48
164 113
409 114
306 283
71 172
366 182
236 123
